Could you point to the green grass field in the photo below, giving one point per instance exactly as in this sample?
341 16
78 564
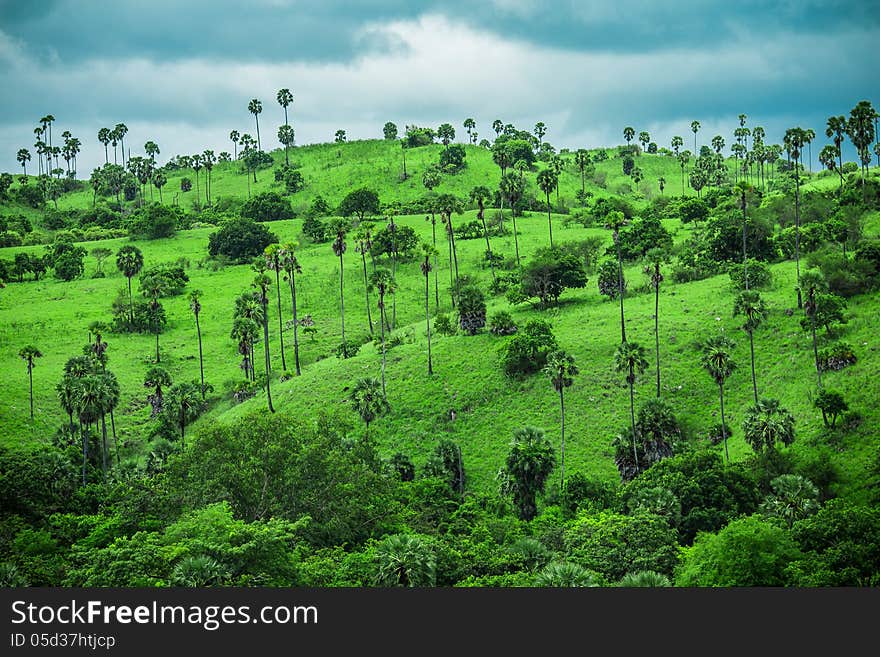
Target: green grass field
468 381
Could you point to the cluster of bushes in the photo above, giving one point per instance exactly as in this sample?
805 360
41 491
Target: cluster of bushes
240 240
290 178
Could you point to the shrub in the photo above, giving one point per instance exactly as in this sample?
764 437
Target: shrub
452 159
831 404
347 349
404 241
315 229
527 351
759 274
268 206
608 279
836 357
501 323
828 313
240 240
640 236
845 276
292 179
69 265
550 272
471 309
443 325
155 221
185 184
172 277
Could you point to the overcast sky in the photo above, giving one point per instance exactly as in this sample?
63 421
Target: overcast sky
182 73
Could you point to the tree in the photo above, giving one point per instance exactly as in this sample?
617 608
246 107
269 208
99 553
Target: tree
234 136
644 138
23 156
750 304
615 221
582 160
446 133
153 288
367 397
284 98
262 283
255 107
105 138
156 379
29 354
540 131
860 130
431 179
119 132
630 358
339 137
550 272
196 306
512 187
405 560
793 141
447 204
93 401
695 128
184 403
832 404
272 257
469 125
653 270
717 360
471 309
561 370
291 267
793 498
425 266
384 284
159 181
628 134
527 468
360 202
130 261
479 195
364 238
339 247
767 423
389 130
547 181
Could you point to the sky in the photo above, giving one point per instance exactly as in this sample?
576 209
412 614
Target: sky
181 73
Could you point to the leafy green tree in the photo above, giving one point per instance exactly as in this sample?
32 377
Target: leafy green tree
255 107
405 560
767 423
832 404
446 133
717 360
240 240
389 130
561 370
550 272
261 284
367 397
129 260
526 352
526 470
630 358
748 552
471 309
359 203
750 304
29 354
793 498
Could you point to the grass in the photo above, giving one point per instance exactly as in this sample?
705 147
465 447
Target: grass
468 384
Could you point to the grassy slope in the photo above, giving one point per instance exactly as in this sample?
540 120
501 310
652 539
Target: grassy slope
468 379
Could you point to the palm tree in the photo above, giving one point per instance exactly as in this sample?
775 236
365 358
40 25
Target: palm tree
447 204
196 161
653 270
92 402
793 141
511 186
291 266
836 129
119 132
676 143
196 306
425 266
367 397
66 390
29 354
156 379
184 405
234 136
262 283
129 260
743 188
644 139
561 370
811 307
630 358
826 158
23 156
431 179
750 304
208 160
540 131
153 287
479 195
695 128
717 360
284 98
104 137
563 574
683 159
661 181
384 283
405 560
245 331
628 134
364 239
582 160
255 107
526 469
767 423
272 256
339 248
469 124
615 221
547 181
285 136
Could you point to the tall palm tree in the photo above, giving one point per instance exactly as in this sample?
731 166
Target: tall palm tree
527 467
561 370
29 354
285 136
130 260
743 188
92 397
630 358
364 246
676 143
616 221
810 309
628 134
291 267
284 98
448 204
383 282
653 270
511 187
717 360
153 288
208 160
196 306
159 181
479 195
367 397
272 256
793 141
66 391
644 139
425 266
196 161
255 107
119 131
234 136
750 304
469 125
695 128
339 248
156 380
104 137
23 156
547 181
262 283
431 179
183 406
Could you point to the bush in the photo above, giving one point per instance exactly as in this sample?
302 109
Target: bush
828 313
155 221
185 184
268 206
844 276
640 236
452 159
69 265
724 237
501 323
30 195
608 279
759 273
471 309
292 179
347 349
315 229
240 240
836 357
550 272
404 241
172 277
527 351
443 325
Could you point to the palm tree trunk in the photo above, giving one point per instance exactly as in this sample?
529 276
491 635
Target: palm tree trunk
454 251
816 349
182 431
451 270
113 428
280 319
549 221
745 260
201 359
85 442
562 460
266 349
31 379
428 325
342 296
157 346
657 331
104 444
752 351
620 289
130 301
367 291
723 427
257 119
488 246
797 234
516 241
632 414
436 283
295 322
382 326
